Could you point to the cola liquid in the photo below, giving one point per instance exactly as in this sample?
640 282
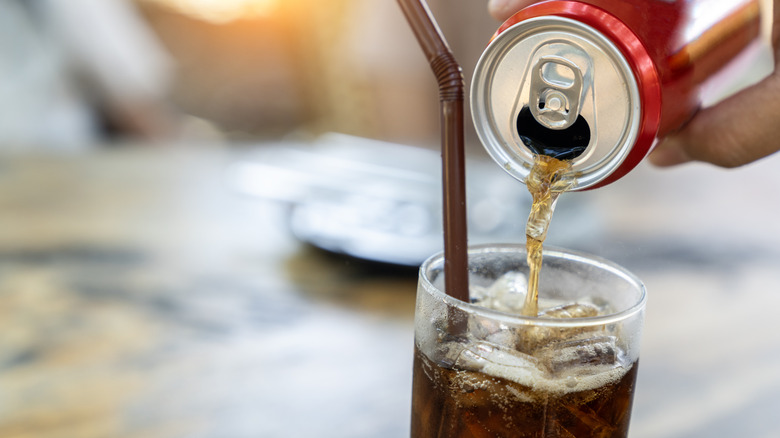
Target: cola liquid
456 403
548 178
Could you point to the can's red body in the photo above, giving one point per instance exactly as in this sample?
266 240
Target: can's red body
673 47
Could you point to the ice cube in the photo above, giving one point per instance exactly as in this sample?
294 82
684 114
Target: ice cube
498 361
571 310
472 356
477 294
506 294
578 356
482 371
485 328
505 336
533 338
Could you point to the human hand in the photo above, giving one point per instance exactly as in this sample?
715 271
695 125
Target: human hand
734 132
503 9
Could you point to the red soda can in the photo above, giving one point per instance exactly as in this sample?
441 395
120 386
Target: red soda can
600 81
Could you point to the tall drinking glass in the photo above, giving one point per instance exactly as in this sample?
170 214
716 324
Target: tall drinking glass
481 369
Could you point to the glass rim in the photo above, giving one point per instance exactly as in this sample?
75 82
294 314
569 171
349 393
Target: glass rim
548 251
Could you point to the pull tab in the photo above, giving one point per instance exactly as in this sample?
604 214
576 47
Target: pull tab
555 92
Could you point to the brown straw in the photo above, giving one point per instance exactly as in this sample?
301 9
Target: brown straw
450 78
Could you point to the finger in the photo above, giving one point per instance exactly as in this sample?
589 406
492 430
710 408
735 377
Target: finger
503 9
737 131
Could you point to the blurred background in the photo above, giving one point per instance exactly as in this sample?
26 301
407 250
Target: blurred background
249 69
211 213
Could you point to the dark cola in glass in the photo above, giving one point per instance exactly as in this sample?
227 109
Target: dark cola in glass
483 369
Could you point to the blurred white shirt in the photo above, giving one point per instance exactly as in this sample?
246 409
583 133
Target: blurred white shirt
60 59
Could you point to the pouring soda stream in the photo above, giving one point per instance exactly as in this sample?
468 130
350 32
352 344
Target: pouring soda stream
521 341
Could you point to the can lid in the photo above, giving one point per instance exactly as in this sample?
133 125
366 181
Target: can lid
565 74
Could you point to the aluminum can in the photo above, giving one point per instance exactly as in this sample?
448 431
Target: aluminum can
600 81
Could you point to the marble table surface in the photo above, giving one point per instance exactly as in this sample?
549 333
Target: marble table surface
141 297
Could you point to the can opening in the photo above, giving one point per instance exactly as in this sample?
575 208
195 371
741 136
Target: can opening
563 144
